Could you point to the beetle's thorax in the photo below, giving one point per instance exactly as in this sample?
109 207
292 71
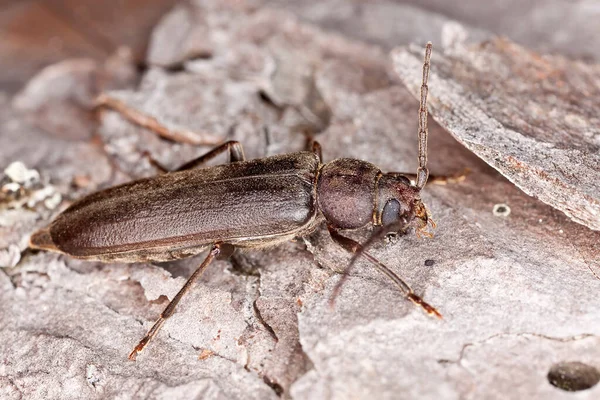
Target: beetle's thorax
346 192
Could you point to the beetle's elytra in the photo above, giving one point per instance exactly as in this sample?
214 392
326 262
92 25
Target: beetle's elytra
244 204
175 215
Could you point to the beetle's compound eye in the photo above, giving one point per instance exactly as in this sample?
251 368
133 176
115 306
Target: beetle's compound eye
391 212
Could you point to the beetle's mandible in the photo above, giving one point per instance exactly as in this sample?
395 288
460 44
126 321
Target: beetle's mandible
244 204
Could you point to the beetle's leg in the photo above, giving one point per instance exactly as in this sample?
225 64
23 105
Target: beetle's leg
357 250
315 147
441 179
151 123
157 165
235 149
168 311
236 153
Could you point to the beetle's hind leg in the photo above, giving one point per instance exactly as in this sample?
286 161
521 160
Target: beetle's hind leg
215 251
357 250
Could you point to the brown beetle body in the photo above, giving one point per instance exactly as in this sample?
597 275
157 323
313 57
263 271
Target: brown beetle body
246 204
178 214
249 204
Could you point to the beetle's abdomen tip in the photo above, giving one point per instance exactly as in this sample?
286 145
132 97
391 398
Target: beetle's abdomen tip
42 240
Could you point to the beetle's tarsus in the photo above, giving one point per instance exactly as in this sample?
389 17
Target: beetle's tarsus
432 222
151 333
426 306
133 355
138 349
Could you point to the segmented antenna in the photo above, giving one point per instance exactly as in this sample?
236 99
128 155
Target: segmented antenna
422 171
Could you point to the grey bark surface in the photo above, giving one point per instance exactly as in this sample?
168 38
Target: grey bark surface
518 289
533 118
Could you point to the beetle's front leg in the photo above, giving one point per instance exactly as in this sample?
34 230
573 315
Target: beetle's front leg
216 250
357 250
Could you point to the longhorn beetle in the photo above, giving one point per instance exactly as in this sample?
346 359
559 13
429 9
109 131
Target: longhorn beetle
247 204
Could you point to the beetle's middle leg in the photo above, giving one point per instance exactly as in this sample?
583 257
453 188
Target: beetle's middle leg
170 309
235 149
357 250
313 146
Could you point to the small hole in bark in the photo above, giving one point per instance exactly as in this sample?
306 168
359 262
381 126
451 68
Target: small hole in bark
573 376
501 210
429 263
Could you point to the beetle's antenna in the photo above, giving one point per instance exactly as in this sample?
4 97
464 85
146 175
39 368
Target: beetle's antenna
361 250
422 171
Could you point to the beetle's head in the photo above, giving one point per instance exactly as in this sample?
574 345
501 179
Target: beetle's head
399 206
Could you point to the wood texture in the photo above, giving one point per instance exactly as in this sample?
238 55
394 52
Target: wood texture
518 288
534 118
